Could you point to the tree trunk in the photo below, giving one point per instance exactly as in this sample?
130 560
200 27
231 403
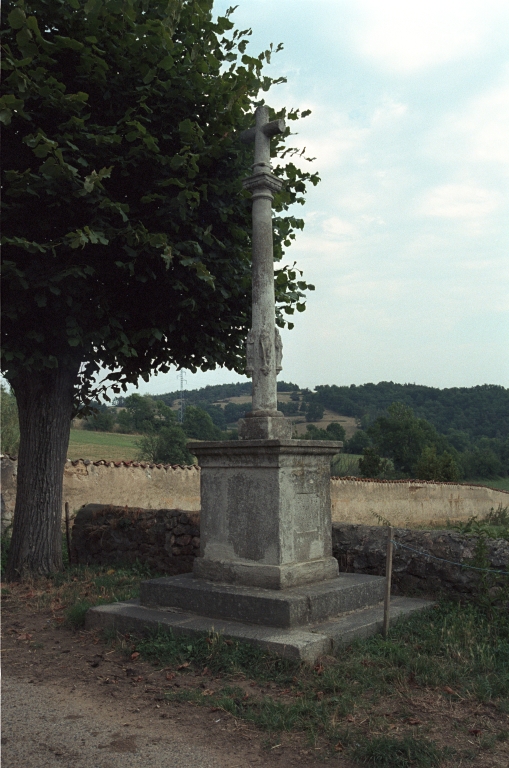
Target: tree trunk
45 405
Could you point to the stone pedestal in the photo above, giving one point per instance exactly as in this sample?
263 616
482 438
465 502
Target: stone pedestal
265 425
265 512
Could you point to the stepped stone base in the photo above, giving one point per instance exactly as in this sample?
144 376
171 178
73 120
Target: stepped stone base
301 622
306 643
288 608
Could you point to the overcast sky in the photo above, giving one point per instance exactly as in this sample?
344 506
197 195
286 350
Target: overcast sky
407 235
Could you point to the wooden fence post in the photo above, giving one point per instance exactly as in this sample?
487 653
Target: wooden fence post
388 578
67 533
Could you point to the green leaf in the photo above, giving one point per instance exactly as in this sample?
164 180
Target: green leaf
16 18
92 5
42 150
69 42
23 37
166 63
33 25
149 76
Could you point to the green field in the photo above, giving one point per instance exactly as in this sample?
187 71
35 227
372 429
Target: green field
502 484
110 446
114 446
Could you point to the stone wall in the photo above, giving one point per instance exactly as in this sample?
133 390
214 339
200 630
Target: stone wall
157 486
136 484
362 549
166 540
9 474
410 502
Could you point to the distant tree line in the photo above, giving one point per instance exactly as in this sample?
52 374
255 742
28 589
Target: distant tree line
399 444
394 440
481 411
163 439
406 429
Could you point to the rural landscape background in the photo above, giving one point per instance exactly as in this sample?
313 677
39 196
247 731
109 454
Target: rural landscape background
389 430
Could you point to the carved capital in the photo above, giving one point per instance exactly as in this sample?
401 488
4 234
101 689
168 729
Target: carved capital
262 182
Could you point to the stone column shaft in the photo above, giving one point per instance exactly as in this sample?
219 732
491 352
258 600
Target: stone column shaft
264 349
263 321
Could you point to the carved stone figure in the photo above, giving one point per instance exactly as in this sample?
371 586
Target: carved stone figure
278 345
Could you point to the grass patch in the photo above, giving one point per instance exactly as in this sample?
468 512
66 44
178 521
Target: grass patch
494 525
450 646
387 752
70 593
219 655
451 651
112 446
452 655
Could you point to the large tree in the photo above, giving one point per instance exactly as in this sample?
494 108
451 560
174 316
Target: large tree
125 226
401 437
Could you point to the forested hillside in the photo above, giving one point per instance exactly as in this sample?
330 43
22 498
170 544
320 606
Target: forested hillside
478 411
481 411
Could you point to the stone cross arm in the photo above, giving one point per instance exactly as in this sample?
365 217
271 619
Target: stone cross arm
269 129
261 134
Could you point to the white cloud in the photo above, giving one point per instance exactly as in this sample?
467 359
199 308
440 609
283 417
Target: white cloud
458 201
408 35
480 132
338 228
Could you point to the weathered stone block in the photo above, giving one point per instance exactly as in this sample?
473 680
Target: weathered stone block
265 517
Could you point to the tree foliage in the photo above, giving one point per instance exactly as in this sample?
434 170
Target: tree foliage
198 424
442 468
166 446
126 228
358 442
314 411
401 437
371 464
413 446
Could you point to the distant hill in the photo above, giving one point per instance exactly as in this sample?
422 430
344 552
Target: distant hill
209 394
217 392
478 411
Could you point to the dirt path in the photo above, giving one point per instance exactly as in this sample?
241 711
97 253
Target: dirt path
70 702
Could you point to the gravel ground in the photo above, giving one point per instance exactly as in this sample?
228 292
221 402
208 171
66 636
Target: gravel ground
47 727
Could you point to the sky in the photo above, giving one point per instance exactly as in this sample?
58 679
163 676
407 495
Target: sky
407 235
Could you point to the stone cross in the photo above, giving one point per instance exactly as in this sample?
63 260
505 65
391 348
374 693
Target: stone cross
264 347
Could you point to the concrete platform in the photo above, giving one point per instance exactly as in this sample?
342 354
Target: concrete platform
289 608
306 643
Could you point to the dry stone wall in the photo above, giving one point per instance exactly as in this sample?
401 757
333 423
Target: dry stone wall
362 549
166 540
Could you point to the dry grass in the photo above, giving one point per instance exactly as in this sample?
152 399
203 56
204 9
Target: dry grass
111 446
